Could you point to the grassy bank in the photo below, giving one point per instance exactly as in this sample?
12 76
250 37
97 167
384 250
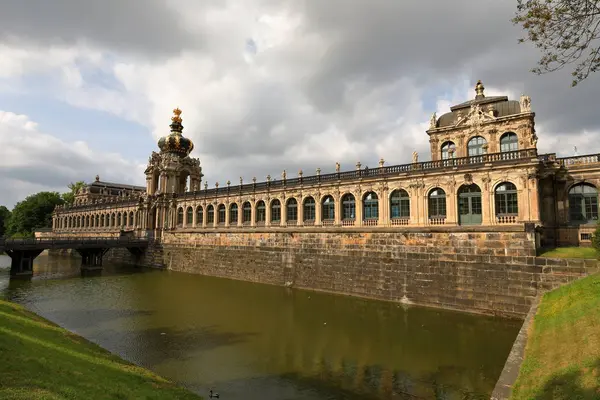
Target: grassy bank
39 360
570 252
562 357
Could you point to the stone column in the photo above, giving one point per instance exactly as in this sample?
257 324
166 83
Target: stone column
486 205
300 211
253 205
240 220
338 210
268 212
283 212
227 207
318 211
358 203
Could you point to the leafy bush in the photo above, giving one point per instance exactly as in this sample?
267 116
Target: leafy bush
596 238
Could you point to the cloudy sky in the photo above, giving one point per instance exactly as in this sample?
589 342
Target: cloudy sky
87 87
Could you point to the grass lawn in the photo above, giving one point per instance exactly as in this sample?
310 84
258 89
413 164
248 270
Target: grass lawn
39 360
562 356
570 252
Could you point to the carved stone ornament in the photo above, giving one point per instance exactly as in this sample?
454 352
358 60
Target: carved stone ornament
486 182
525 103
468 179
476 117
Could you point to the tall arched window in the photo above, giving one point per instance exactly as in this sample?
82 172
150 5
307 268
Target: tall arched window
199 216
328 209
292 210
505 197
399 204
221 214
189 216
309 209
87 221
509 142
130 218
261 211
97 220
276 211
370 206
477 146
348 207
247 212
113 221
448 150
583 203
180 216
210 215
233 214
437 203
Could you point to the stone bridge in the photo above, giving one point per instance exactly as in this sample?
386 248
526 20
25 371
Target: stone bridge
24 251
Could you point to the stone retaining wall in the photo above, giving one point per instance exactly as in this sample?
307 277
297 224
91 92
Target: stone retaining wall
485 272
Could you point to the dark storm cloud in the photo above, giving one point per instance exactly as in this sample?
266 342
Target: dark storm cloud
147 27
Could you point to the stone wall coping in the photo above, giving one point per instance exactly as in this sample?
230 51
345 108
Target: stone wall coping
510 372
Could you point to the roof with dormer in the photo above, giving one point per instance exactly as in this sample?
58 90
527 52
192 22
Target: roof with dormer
501 106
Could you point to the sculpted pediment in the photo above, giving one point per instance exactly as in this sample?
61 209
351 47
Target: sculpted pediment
476 117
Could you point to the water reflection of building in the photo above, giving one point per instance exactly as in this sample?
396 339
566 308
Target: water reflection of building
484 170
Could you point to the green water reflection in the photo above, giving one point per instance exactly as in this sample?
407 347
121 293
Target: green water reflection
252 341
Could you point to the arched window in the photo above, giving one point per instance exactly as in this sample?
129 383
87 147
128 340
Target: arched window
79 221
276 211
119 222
210 215
328 209
509 142
370 206
477 146
583 203
233 214
221 214
448 150
437 203
261 211
199 216
189 216
113 220
180 216
399 204
87 221
348 207
292 210
247 212
97 224
505 197
309 209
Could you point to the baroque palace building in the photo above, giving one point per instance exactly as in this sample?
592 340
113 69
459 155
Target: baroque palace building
484 170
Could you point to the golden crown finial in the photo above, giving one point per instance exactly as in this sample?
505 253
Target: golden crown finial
176 117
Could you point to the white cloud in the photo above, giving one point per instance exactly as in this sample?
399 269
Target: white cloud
33 161
321 81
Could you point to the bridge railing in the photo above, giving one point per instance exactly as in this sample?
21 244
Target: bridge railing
109 241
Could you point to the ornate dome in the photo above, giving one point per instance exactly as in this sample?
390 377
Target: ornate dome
175 142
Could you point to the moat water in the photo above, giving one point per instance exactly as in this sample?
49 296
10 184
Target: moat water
251 341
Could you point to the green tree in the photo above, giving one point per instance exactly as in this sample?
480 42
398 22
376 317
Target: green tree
4 217
32 213
69 197
566 31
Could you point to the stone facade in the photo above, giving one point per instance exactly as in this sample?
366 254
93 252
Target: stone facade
485 176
